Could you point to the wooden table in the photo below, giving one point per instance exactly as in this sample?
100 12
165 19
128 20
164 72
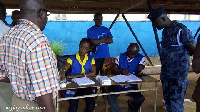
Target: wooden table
145 79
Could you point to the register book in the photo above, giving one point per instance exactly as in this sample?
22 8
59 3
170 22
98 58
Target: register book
126 78
83 81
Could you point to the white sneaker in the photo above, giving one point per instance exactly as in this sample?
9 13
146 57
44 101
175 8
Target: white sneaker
96 103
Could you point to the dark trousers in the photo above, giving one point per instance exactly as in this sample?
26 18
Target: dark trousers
90 104
99 65
196 96
135 104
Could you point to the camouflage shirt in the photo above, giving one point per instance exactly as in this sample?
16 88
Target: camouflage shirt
174 55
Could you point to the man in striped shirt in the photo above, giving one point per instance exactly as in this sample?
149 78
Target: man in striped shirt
27 59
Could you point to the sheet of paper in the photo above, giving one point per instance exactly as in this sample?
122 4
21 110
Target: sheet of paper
118 78
67 82
132 78
64 84
125 78
83 81
103 78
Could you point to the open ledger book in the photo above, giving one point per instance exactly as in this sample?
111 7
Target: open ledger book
126 78
83 81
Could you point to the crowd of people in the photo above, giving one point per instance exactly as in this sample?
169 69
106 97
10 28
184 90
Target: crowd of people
28 66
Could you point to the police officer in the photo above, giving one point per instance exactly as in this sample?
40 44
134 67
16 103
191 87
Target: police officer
176 47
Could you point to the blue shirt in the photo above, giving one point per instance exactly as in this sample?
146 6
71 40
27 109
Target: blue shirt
102 50
78 67
131 66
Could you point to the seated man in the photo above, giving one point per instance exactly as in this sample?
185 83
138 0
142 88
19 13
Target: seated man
128 63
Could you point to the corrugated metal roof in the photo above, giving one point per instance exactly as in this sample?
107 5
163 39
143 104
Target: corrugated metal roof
115 6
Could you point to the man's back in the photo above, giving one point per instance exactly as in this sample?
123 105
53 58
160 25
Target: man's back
25 62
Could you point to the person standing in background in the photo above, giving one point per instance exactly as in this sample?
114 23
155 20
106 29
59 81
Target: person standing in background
100 37
15 17
5 86
3 23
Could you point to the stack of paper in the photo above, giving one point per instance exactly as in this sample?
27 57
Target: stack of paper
103 80
64 84
125 78
83 81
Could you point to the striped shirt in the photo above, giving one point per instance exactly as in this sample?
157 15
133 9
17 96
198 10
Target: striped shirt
28 60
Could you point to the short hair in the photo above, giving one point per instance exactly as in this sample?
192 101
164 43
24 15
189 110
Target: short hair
2 8
29 6
97 14
15 12
134 45
86 40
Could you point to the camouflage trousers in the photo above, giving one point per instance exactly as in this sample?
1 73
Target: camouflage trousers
173 93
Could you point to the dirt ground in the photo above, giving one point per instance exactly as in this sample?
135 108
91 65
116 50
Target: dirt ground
154 59
189 107
148 105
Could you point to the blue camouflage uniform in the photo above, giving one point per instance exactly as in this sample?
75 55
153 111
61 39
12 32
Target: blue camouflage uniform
175 65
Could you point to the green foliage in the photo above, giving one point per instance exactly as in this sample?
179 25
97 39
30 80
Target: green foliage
57 47
191 57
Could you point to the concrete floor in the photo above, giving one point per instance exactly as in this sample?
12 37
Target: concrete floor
148 105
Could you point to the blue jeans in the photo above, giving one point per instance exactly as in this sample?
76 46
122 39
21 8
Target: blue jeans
136 104
90 104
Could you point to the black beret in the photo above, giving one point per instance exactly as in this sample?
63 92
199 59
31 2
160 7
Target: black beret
156 13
